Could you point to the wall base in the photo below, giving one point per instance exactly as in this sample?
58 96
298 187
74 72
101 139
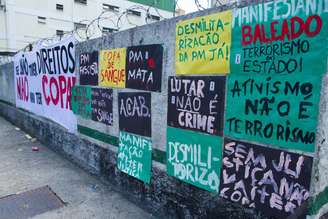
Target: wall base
165 196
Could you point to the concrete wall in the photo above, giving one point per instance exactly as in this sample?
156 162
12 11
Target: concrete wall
94 147
7 85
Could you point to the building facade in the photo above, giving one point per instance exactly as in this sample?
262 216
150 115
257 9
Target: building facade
23 22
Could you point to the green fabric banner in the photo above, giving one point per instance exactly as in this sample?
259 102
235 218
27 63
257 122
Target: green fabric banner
81 101
280 37
194 158
134 156
280 111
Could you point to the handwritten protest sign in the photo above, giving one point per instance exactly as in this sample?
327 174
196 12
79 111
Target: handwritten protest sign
44 79
197 103
194 158
134 156
81 101
144 67
102 105
135 113
273 181
280 37
89 68
280 111
203 44
112 68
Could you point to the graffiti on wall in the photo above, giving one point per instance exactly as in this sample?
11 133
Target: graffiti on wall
275 181
134 156
196 103
203 44
44 79
112 68
89 68
144 67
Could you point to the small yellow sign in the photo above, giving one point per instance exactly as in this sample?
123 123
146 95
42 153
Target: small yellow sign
112 68
203 44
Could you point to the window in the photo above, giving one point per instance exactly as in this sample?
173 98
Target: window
78 26
81 1
108 30
108 7
153 17
42 20
60 33
59 7
133 12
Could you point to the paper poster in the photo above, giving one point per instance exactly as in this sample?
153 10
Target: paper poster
89 68
203 44
135 112
197 103
112 68
134 156
279 111
280 37
102 105
272 181
144 67
194 158
81 101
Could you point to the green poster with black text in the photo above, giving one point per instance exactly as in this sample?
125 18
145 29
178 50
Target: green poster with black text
281 111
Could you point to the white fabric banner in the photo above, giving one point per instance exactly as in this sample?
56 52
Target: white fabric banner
44 79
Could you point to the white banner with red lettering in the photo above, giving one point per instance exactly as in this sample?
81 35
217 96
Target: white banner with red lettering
44 79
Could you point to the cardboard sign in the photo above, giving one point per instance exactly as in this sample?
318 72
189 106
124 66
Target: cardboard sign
112 68
102 105
275 182
203 44
144 67
280 37
194 158
89 68
197 103
135 113
134 156
44 79
280 111
81 101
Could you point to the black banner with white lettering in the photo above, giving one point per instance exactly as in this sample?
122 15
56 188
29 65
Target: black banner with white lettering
273 181
89 68
144 67
135 113
102 105
197 103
